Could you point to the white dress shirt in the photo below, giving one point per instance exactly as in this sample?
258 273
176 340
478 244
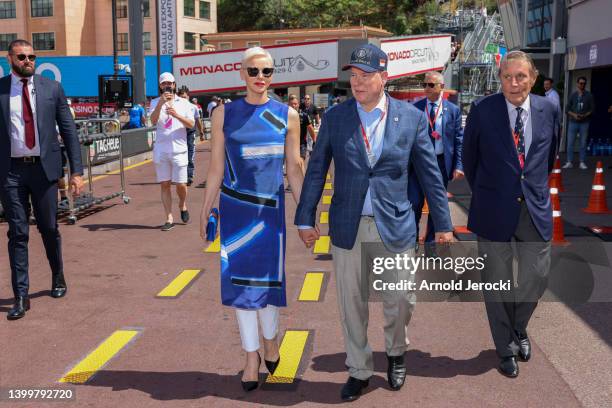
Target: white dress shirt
18 146
526 116
438 144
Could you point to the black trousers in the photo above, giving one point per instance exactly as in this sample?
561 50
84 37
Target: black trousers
509 311
27 182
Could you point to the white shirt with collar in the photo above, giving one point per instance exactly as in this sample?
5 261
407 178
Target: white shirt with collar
375 130
438 144
527 125
18 146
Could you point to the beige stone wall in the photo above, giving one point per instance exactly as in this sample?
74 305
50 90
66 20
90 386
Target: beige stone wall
83 27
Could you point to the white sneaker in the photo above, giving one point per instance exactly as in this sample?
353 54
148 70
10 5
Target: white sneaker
583 166
568 165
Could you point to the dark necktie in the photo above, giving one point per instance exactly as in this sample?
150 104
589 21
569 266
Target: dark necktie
28 117
432 119
519 137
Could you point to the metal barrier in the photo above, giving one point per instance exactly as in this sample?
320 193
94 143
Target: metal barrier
103 129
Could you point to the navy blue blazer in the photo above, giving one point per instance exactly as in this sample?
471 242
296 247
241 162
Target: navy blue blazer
492 169
405 141
51 108
452 135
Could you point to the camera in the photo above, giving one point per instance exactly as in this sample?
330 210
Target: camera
168 89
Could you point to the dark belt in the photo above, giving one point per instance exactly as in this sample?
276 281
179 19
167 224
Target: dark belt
26 159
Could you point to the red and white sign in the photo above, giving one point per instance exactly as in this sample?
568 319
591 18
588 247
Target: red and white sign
294 64
411 56
87 109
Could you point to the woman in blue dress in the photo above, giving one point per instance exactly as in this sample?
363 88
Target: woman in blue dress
251 139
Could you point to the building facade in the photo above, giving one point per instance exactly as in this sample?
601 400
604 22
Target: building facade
84 27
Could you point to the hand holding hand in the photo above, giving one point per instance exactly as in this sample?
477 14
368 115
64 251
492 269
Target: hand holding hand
309 236
458 175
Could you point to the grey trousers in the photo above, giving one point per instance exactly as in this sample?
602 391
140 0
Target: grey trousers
354 313
509 311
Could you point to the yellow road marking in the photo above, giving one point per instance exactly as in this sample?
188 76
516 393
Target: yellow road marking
291 351
322 245
179 283
215 246
327 199
311 289
328 186
132 166
324 217
328 177
98 358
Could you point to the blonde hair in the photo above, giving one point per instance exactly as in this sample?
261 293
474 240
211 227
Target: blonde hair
256 52
518 56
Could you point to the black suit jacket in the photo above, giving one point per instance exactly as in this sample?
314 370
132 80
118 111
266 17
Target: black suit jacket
51 109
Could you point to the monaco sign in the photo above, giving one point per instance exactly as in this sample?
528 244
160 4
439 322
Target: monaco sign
414 55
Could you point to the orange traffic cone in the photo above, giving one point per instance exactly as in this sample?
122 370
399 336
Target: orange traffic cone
555 180
597 199
558 236
425 209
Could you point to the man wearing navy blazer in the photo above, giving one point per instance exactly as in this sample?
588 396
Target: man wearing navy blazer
446 135
509 149
31 164
372 139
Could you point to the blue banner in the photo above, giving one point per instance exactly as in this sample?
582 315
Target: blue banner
79 75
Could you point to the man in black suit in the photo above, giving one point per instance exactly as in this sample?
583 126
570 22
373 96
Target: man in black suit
31 164
509 148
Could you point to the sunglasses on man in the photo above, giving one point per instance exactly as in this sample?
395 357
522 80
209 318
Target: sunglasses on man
254 71
428 85
22 57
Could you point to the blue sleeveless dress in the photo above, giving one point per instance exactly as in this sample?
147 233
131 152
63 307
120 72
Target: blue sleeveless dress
252 205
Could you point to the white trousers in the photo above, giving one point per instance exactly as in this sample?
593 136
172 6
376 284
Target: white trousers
247 323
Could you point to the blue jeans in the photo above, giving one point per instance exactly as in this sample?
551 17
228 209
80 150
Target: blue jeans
574 128
190 154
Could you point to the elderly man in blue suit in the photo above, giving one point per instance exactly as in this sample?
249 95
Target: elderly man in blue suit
446 135
509 149
372 139
31 164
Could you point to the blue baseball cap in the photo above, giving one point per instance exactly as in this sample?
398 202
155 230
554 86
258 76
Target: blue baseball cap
368 58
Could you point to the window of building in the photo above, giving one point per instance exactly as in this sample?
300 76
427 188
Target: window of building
146 8
225 45
278 42
43 41
205 10
42 8
146 41
122 8
122 42
189 8
7 9
190 40
6 39
251 44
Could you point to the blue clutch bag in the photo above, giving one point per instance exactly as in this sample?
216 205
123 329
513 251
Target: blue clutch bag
211 227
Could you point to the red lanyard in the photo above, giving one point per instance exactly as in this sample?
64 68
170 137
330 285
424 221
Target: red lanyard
366 140
432 123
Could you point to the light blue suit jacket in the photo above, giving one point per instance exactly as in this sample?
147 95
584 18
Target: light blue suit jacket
405 141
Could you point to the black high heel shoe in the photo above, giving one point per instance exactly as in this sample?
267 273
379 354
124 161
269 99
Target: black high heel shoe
252 385
272 365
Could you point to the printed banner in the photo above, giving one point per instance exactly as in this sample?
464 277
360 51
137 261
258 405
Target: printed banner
410 56
294 64
167 27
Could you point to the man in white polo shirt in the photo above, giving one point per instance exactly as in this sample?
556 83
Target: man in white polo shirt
172 116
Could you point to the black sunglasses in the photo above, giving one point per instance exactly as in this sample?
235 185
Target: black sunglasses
253 72
429 84
581 83
22 57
